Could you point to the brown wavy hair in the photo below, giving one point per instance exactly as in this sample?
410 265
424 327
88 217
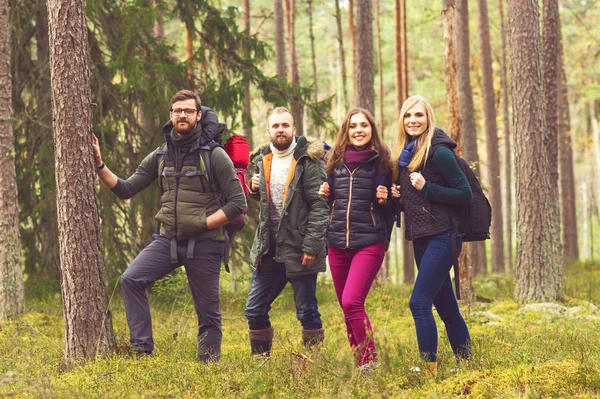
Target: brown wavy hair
336 156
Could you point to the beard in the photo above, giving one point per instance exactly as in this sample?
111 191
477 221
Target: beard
184 130
282 142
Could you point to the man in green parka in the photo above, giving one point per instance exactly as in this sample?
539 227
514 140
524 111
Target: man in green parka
289 245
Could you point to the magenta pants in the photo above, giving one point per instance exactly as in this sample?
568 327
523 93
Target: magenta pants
353 272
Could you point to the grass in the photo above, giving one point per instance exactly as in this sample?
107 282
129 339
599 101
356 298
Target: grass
519 351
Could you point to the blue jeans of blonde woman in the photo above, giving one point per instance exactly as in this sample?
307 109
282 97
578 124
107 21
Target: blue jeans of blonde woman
433 286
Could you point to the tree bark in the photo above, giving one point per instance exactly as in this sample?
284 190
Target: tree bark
354 49
476 250
565 157
491 139
454 118
508 182
550 73
401 54
340 37
364 73
379 67
88 321
11 275
448 10
538 271
313 57
296 106
247 101
278 18
408 257
50 265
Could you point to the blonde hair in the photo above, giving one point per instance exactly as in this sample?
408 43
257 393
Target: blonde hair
423 144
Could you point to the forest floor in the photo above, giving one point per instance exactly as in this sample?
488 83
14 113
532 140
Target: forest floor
527 351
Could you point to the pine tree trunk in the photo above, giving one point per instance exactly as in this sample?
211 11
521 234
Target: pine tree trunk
491 139
351 23
400 54
49 267
454 118
408 257
565 157
189 52
448 10
596 148
11 275
313 58
296 106
538 271
379 67
364 73
88 321
475 250
279 21
508 182
550 73
340 37
247 101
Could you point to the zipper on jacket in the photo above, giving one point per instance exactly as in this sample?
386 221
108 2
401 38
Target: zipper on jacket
373 215
348 209
176 191
332 209
429 213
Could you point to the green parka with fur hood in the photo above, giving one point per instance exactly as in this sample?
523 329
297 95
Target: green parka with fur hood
304 216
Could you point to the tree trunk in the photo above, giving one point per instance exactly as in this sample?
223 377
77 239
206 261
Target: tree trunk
296 106
408 262
340 36
408 257
448 10
365 92
475 250
508 186
189 52
88 321
11 274
538 271
565 157
400 54
247 101
379 67
278 18
596 146
50 265
353 60
450 68
550 73
587 216
491 139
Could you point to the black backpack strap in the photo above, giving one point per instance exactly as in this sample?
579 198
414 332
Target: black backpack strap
455 254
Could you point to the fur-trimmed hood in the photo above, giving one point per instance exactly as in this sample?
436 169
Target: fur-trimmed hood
312 147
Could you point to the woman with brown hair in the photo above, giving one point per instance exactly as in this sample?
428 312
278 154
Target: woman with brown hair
358 179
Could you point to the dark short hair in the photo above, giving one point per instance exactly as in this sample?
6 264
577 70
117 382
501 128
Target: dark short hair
183 95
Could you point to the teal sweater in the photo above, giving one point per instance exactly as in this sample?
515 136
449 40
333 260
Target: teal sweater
458 191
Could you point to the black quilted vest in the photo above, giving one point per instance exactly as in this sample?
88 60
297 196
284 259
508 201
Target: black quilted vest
356 220
424 217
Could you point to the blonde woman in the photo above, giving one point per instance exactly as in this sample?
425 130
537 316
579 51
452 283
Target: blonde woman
429 184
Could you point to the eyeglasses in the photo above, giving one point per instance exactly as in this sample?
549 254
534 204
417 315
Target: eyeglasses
186 111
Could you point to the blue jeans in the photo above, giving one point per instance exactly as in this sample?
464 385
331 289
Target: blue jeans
433 286
267 283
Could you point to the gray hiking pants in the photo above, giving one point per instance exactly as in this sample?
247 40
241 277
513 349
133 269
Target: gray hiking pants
202 265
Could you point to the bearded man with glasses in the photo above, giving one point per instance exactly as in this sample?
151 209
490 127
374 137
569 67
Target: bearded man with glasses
197 200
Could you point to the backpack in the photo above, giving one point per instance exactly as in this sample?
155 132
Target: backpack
472 221
238 150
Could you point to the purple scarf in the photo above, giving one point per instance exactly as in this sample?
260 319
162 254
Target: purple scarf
354 158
